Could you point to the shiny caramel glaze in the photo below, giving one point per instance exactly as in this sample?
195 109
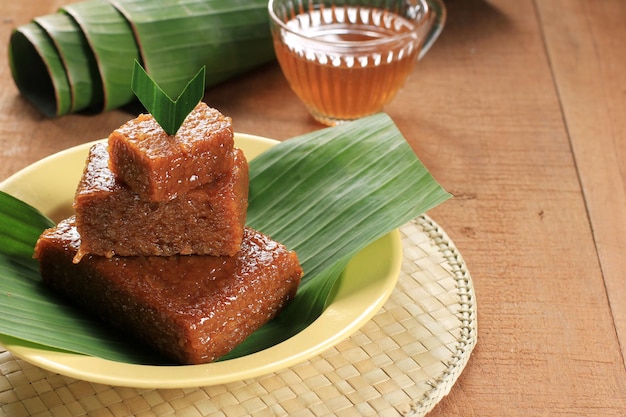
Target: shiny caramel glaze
193 309
158 166
112 219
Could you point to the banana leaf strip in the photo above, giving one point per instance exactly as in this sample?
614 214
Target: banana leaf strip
177 38
113 44
38 70
78 60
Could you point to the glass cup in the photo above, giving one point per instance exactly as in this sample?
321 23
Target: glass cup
347 59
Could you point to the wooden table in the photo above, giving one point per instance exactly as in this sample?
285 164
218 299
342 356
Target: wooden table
519 111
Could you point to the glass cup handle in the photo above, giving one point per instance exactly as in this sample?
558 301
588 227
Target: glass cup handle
437 20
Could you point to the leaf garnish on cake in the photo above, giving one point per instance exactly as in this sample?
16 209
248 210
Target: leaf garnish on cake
169 113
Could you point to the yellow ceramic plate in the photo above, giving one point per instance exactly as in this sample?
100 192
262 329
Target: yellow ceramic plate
49 185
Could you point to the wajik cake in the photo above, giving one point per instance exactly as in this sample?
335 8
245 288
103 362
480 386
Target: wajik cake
112 219
158 246
193 309
158 166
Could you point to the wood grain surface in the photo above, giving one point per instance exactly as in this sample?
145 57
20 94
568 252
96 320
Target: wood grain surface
519 110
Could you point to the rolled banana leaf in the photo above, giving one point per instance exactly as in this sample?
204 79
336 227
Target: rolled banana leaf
81 58
38 70
176 38
78 60
114 48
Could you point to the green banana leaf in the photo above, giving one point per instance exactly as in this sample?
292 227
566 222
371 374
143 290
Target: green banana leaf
176 38
78 60
327 195
113 44
38 70
169 113
52 57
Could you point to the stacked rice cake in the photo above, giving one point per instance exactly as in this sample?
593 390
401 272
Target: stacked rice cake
192 309
158 166
112 219
159 247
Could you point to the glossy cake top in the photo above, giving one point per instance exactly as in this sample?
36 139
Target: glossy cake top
146 134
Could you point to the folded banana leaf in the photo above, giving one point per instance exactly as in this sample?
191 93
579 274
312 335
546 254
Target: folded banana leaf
81 58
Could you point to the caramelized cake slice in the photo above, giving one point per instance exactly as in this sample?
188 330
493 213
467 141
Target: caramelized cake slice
158 166
112 219
193 309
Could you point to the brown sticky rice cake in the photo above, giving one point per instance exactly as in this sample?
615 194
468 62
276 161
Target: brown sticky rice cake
158 166
193 309
112 219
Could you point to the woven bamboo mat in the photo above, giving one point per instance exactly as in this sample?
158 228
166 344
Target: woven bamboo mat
400 363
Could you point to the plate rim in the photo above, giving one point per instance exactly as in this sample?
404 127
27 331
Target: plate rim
160 376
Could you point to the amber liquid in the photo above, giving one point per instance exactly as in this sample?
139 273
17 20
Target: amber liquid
336 82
